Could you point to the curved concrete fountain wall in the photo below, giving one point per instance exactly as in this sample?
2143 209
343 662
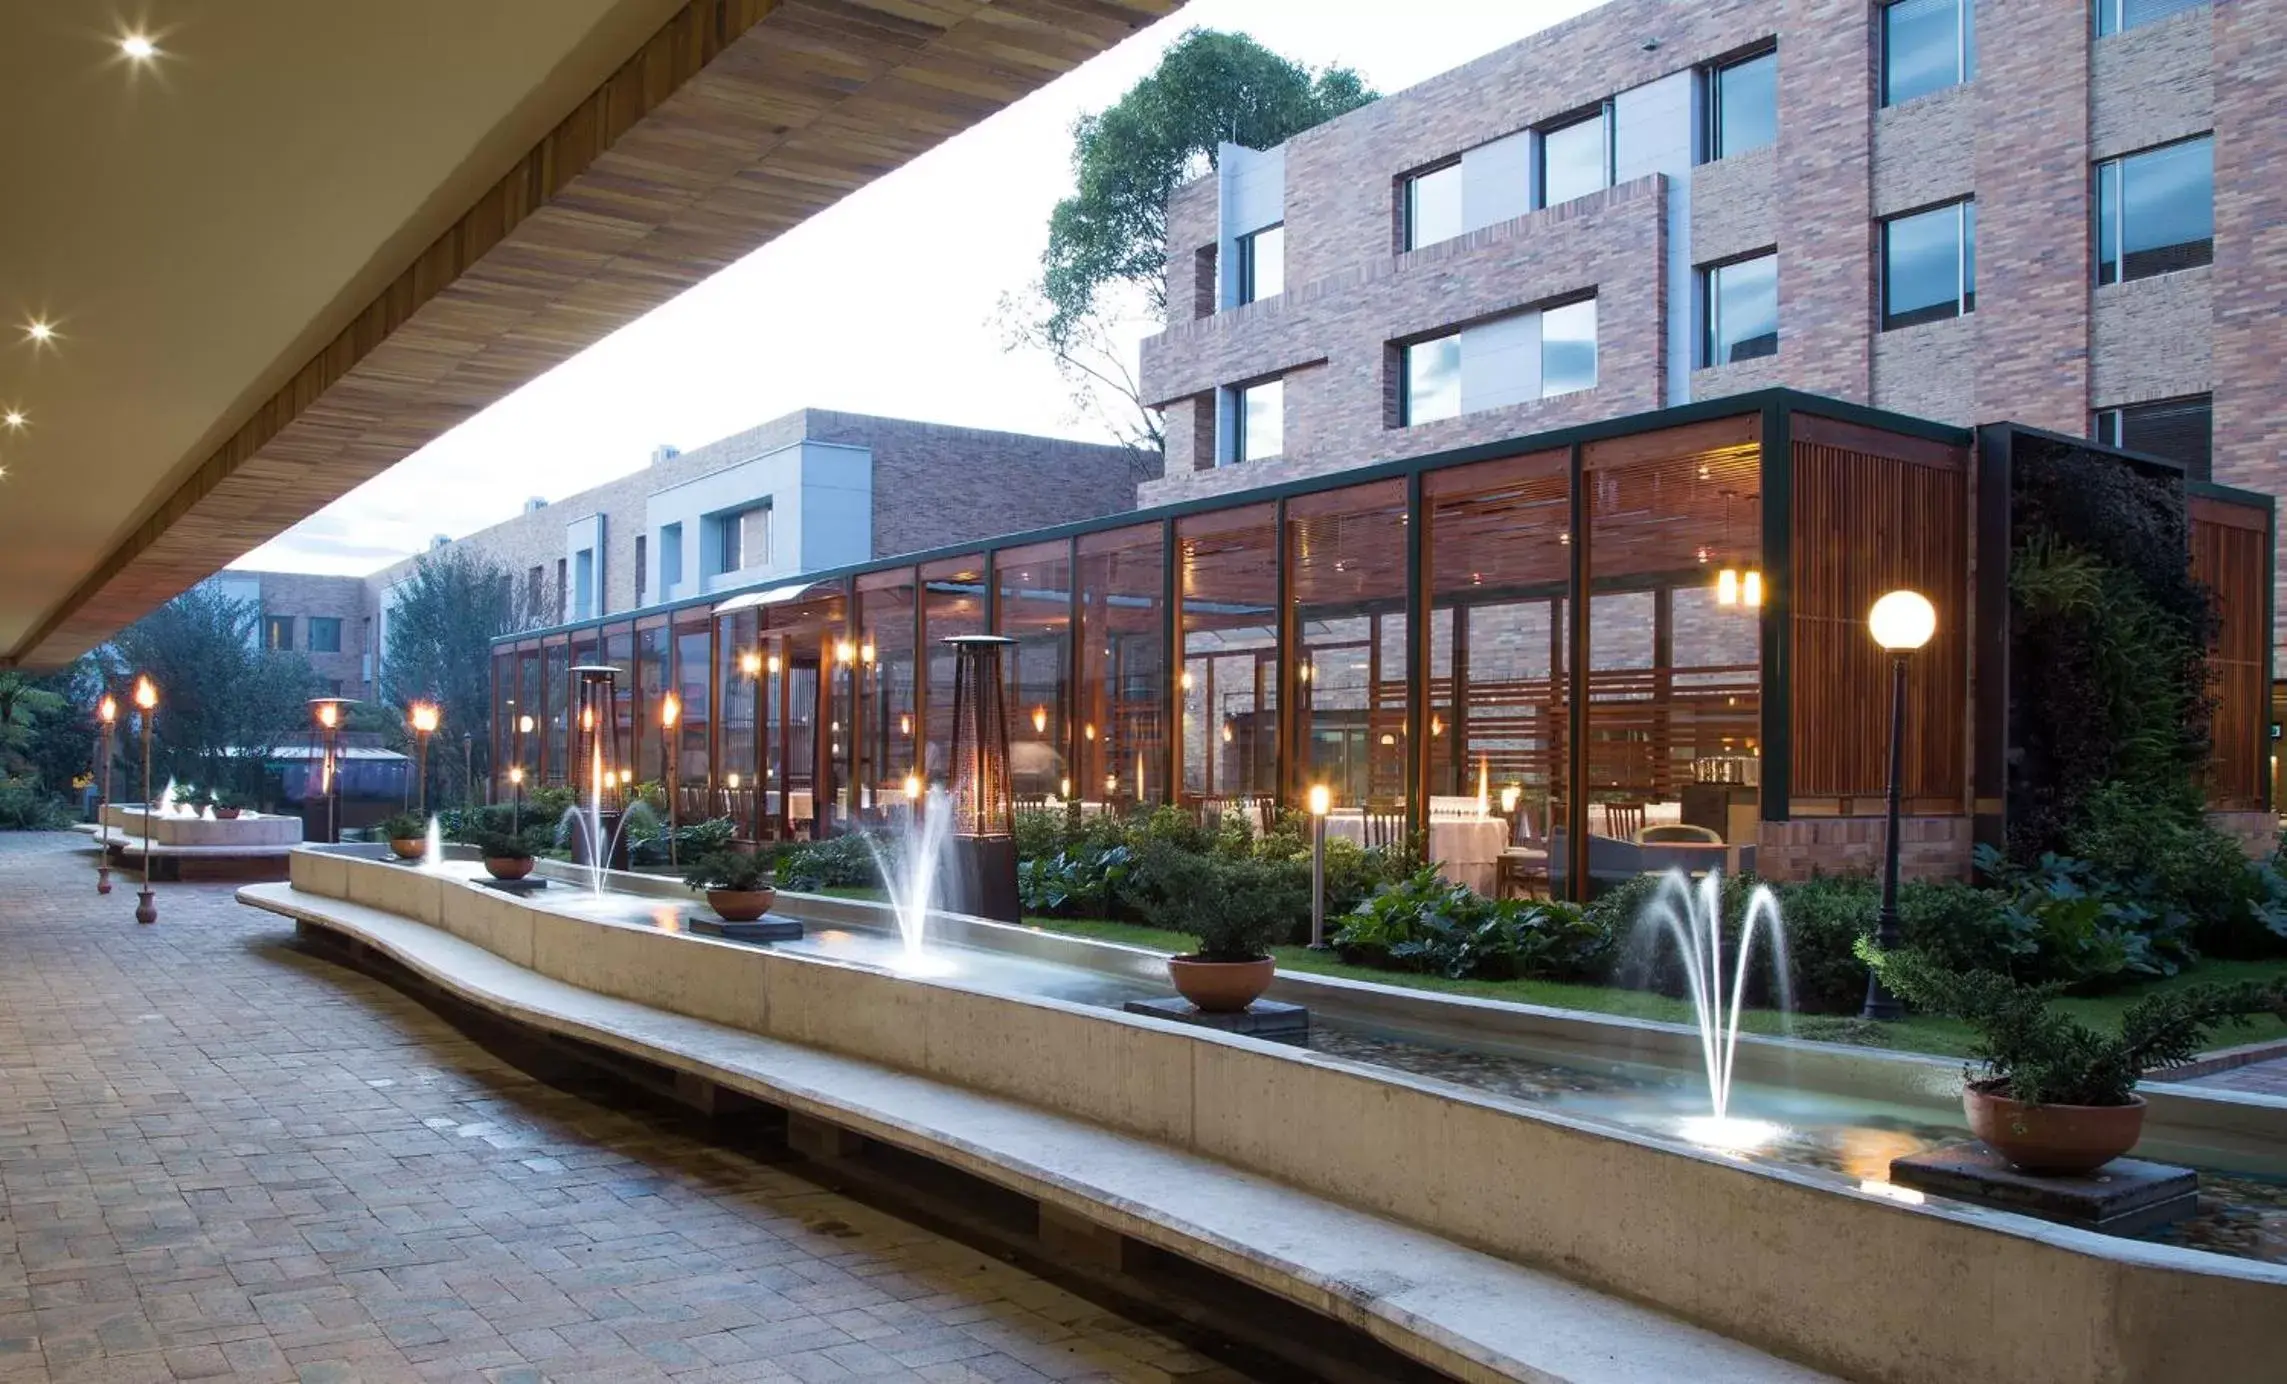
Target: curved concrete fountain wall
166 829
1854 1283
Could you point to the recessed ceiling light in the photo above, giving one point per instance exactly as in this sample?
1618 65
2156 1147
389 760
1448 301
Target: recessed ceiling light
138 47
14 418
39 331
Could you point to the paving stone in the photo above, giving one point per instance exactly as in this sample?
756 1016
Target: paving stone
222 1157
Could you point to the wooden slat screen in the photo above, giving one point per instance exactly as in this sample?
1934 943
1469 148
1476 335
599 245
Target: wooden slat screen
1865 524
2227 555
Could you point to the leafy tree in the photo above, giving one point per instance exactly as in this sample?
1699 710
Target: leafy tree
1108 240
225 702
26 705
441 627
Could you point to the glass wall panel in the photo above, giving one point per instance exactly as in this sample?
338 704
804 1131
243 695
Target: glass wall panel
694 739
886 632
808 770
1674 640
1575 161
1347 562
619 651
952 603
1227 588
1123 665
1035 609
1499 564
555 663
523 747
652 673
738 688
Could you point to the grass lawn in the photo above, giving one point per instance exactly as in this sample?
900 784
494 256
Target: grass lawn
1917 1033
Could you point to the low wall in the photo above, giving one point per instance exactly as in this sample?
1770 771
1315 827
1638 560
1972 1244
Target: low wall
1854 1283
1928 847
246 829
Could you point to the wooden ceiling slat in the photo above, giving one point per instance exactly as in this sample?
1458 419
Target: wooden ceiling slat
737 120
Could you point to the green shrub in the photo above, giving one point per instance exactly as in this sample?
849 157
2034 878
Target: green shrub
500 845
838 862
1236 909
1423 923
728 869
1081 882
399 826
23 807
647 840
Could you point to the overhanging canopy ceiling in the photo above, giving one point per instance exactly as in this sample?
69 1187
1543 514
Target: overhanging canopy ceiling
304 240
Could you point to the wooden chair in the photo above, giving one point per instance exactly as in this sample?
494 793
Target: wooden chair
1384 830
1623 820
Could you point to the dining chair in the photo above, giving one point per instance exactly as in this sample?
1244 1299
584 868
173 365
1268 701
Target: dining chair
1623 820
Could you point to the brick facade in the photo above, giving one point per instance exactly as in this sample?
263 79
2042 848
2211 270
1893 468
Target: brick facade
2045 345
1928 847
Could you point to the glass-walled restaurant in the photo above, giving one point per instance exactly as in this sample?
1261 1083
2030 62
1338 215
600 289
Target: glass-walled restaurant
1562 660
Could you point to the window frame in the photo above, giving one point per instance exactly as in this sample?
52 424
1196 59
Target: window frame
1249 271
271 640
2118 10
1595 342
1238 452
2116 204
1711 318
730 542
1409 218
2108 428
1406 418
1964 52
333 622
1711 97
1570 120
1964 261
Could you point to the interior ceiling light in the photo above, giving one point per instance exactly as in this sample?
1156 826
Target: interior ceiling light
14 418
39 332
138 47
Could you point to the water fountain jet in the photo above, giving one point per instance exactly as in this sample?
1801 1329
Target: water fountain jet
1691 917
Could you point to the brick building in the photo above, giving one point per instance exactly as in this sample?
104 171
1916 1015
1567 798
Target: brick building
2065 212
806 491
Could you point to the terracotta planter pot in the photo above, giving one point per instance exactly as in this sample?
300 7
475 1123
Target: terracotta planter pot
1220 987
226 814
740 905
408 847
508 867
2059 1139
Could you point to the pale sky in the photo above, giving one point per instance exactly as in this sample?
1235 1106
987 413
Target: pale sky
883 303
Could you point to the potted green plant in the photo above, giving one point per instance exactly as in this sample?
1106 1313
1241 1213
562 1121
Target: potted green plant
2055 1095
505 856
194 799
227 805
407 835
1234 910
737 886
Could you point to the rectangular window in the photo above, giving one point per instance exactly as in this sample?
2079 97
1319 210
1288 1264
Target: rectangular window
584 580
1740 304
1258 416
535 581
277 631
1568 348
1433 206
670 560
730 533
1576 159
642 575
1927 45
2156 211
1929 265
1262 264
1432 380
563 591
2181 430
755 535
1743 105
325 634
2112 16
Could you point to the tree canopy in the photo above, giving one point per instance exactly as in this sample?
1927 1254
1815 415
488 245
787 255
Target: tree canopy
1107 242
441 624
225 702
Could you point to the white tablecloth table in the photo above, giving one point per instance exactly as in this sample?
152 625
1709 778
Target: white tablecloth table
1465 851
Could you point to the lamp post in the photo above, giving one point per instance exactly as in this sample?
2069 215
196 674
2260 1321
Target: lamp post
1900 622
106 712
516 801
1320 800
670 711
147 700
330 715
750 664
424 718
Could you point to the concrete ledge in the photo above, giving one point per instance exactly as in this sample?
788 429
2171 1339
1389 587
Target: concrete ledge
1466 1313
127 843
1802 1264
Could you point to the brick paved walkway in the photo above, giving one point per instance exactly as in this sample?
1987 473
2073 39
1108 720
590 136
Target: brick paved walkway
2265 1078
222 1157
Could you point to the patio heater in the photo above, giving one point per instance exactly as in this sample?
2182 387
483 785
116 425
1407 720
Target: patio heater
984 801
1321 800
424 720
147 701
330 712
106 712
594 713
1901 622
